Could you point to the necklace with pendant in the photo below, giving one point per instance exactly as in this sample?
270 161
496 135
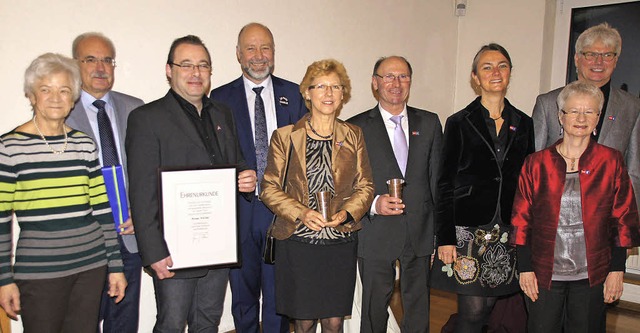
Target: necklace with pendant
57 152
571 159
316 133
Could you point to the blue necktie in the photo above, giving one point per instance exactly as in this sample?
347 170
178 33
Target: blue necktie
261 137
400 146
107 141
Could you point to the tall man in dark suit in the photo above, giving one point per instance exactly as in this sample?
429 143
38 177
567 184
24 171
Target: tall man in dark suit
184 128
597 52
281 104
96 57
398 230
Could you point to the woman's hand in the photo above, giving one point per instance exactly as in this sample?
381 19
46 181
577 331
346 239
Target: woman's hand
337 219
312 219
10 300
117 286
447 253
613 286
529 284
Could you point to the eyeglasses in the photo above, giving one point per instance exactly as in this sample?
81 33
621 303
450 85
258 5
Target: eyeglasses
107 61
390 77
190 67
576 113
592 56
324 87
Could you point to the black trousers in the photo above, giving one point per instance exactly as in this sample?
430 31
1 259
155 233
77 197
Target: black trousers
67 304
572 305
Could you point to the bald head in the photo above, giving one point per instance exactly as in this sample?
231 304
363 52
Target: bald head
256 52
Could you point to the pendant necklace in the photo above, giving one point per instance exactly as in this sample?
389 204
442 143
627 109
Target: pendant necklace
571 159
316 133
57 152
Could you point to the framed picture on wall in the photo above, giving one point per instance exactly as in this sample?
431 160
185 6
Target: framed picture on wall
624 17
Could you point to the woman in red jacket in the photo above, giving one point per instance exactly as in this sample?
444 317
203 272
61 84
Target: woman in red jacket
573 216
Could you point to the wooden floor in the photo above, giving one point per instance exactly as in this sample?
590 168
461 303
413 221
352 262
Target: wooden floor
443 304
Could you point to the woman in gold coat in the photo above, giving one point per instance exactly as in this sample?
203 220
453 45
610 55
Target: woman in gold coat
316 257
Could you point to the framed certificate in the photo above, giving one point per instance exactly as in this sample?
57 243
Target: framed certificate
199 216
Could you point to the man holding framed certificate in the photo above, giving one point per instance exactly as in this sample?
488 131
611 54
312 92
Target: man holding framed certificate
183 130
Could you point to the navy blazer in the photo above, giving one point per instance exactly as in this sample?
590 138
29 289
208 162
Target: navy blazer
289 109
122 106
383 237
473 187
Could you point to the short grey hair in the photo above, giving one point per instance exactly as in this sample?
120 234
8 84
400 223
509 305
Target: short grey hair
602 32
81 37
583 89
49 64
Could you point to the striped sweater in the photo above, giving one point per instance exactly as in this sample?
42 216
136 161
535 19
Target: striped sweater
61 205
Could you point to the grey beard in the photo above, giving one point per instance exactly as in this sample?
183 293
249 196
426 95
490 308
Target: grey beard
258 75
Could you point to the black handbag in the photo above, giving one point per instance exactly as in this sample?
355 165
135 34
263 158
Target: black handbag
269 252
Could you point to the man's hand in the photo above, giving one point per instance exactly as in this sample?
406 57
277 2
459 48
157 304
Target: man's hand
447 253
10 300
126 228
247 181
117 286
386 205
161 268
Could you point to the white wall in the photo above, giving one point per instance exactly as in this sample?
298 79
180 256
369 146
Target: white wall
516 25
355 32
439 45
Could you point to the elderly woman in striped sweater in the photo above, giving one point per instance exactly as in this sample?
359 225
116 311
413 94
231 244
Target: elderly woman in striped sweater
50 178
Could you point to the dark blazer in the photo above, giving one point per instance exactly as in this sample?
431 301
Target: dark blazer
349 166
122 105
383 237
609 210
289 107
620 129
160 134
472 184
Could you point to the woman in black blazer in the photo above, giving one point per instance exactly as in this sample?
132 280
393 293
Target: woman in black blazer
485 145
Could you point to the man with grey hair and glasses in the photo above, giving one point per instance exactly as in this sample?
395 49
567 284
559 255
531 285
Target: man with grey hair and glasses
102 114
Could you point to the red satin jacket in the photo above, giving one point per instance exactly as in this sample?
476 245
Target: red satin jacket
609 208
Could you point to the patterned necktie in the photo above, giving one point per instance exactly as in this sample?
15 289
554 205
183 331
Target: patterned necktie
261 138
107 141
400 147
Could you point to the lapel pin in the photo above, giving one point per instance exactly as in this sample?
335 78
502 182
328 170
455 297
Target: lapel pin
339 143
415 133
612 118
512 128
218 128
283 100
586 172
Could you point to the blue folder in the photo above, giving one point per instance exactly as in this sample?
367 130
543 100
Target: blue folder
117 193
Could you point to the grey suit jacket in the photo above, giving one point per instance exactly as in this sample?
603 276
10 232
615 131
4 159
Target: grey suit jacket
620 129
383 237
122 105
